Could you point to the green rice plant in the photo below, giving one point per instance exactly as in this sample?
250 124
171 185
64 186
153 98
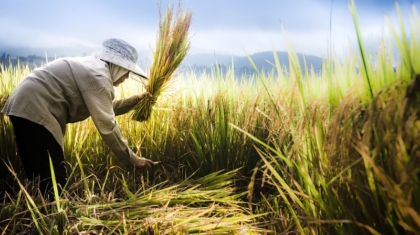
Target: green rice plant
378 166
10 76
31 213
350 168
3 99
37 218
365 64
390 152
8 213
172 45
214 144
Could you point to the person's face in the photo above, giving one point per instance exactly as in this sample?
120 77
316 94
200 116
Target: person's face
121 80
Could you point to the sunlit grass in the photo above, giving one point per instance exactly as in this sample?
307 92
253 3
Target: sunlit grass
352 168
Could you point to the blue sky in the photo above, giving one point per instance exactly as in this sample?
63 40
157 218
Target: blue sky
236 27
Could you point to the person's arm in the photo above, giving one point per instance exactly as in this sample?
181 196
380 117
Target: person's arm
99 104
123 106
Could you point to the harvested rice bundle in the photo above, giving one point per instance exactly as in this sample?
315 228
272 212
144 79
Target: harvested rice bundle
172 45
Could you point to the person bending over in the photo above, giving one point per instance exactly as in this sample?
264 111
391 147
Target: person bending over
69 90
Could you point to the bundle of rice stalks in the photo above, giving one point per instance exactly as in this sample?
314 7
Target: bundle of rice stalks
172 45
207 206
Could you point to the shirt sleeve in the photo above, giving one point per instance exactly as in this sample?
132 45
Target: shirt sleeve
122 106
100 106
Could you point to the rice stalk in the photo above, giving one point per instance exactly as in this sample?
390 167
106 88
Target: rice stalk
172 45
365 64
210 204
3 99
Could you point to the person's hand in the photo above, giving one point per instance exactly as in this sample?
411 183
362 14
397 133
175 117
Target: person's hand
146 94
141 162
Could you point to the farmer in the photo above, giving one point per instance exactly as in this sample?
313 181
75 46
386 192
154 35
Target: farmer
69 90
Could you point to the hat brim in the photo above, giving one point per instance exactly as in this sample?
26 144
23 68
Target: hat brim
111 56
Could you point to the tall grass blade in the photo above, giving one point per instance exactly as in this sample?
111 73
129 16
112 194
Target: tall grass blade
364 66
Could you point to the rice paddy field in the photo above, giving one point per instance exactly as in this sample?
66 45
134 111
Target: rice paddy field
295 151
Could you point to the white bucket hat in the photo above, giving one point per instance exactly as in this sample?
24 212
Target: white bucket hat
121 53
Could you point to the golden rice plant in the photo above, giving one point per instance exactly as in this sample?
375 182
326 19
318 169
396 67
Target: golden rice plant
172 45
3 99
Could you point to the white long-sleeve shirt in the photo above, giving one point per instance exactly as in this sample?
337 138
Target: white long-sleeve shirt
69 90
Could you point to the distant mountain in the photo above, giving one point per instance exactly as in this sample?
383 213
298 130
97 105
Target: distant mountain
264 61
203 62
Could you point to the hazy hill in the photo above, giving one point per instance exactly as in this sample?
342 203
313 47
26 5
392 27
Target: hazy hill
260 59
263 61
203 62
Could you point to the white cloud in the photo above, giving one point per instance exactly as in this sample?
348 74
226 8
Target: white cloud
223 27
236 42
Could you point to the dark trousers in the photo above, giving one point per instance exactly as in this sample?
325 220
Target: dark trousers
35 145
